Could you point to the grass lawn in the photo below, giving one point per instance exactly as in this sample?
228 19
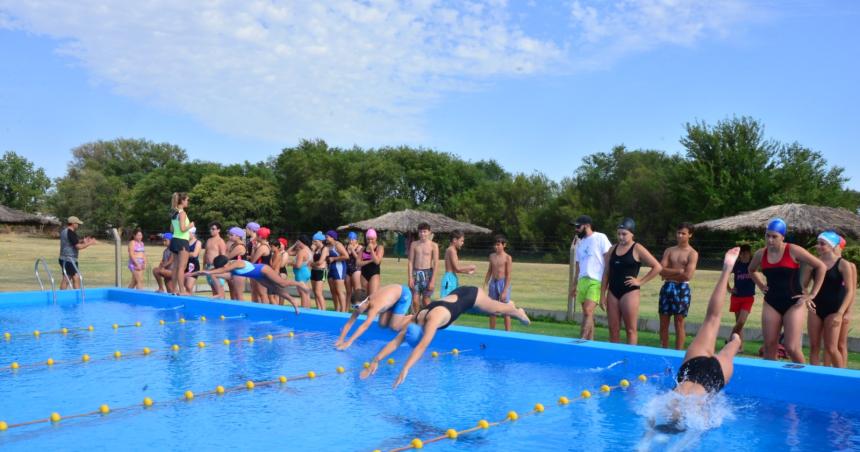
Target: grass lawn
535 285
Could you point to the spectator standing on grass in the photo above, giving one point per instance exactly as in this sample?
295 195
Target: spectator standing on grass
136 259
450 281
70 245
498 278
679 265
588 266
743 292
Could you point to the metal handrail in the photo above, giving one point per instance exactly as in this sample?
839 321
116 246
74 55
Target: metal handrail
50 276
80 275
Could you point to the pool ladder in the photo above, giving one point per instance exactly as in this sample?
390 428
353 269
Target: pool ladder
50 277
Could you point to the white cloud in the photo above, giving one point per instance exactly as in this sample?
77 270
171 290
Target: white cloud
607 31
345 70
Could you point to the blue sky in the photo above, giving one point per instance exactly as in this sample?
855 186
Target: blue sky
534 85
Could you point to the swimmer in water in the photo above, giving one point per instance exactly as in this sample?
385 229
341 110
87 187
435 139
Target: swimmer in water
439 315
391 303
262 273
704 371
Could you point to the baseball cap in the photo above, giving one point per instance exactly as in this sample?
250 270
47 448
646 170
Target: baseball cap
74 220
581 220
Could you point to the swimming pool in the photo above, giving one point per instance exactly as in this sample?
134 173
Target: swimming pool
767 405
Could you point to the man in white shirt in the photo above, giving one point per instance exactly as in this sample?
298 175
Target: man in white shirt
590 253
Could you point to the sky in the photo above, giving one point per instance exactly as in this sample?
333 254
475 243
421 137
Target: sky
535 85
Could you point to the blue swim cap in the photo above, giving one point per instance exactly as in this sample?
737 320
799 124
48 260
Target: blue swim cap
167 236
352 236
319 236
777 225
830 237
414 333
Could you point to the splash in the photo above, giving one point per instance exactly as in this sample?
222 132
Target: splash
677 422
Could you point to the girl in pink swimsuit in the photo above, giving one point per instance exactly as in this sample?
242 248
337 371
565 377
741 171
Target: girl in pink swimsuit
136 259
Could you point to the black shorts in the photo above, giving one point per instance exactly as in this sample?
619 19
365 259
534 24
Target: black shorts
317 275
68 267
177 245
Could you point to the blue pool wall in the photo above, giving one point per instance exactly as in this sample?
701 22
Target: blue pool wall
820 387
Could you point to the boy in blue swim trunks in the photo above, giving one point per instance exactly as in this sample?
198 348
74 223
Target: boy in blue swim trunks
498 279
392 302
679 265
452 265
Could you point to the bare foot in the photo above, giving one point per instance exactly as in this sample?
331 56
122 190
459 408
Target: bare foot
523 317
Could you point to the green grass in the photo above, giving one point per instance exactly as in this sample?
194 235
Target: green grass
535 285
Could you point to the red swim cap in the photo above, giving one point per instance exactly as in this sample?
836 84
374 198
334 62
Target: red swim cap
263 233
283 241
842 242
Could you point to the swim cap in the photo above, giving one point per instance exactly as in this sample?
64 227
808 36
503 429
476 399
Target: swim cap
220 261
332 234
777 225
370 234
413 334
193 230
830 237
842 243
167 236
304 240
352 236
628 224
264 233
237 231
283 241
319 236
253 227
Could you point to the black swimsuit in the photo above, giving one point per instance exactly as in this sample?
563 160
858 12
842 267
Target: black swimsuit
466 296
832 292
317 274
704 370
620 267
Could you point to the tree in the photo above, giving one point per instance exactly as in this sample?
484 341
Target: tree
22 185
801 175
128 159
100 201
233 200
729 168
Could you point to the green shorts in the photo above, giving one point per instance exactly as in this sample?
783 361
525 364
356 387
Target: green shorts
587 289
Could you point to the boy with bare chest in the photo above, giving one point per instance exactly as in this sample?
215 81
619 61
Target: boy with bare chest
679 264
498 279
421 266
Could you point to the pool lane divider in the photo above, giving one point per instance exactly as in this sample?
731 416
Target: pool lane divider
513 416
189 396
146 351
7 336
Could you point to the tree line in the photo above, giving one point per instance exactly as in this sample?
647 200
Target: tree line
726 168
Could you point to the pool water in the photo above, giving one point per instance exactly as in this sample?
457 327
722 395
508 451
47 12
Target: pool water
335 411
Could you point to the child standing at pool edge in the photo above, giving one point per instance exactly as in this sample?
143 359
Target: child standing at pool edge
498 279
421 266
452 265
743 292
679 264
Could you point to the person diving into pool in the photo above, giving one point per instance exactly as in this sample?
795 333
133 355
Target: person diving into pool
704 371
391 302
262 273
438 315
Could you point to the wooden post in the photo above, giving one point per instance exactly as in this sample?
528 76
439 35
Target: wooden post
571 278
117 257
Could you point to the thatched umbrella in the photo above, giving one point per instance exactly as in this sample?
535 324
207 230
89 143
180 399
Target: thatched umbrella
802 219
408 221
17 217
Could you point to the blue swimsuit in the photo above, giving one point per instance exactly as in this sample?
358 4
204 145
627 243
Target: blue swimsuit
253 271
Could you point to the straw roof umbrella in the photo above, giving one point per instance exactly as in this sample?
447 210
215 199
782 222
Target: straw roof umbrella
802 219
408 221
13 216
